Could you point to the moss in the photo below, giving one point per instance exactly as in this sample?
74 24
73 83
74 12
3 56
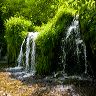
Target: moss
49 38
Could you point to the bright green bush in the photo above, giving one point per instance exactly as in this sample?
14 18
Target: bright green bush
16 30
49 38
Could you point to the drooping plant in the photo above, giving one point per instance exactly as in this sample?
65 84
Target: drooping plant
16 30
49 38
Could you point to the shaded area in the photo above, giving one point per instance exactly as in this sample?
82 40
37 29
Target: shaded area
45 86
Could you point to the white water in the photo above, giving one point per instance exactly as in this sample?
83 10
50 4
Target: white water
73 26
30 53
27 51
63 55
33 53
85 59
26 58
73 33
30 49
19 60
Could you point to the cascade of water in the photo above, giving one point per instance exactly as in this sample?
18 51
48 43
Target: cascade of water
27 51
19 60
30 50
63 55
26 58
85 59
33 57
73 26
78 42
73 46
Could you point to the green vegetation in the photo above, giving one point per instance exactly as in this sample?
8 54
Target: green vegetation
50 18
37 11
88 31
49 38
16 30
87 22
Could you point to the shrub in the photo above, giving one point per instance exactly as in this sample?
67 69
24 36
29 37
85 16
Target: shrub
48 41
16 30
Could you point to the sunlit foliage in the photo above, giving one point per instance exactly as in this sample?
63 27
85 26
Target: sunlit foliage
50 19
49 39
38 11
16 30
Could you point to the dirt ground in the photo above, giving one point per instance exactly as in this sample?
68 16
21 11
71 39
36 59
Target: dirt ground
12 87
35 86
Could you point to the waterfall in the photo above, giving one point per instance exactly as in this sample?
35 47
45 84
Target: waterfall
27 51
26 58
19 60
30 50
63 58
33 56
85 59
73 48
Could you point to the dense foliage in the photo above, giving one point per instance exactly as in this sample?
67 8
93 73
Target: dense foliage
16 30
50 38
51 19
37 11
88 31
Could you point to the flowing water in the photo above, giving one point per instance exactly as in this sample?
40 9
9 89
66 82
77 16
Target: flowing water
73 48
73 55
26 58
20 55
30 50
